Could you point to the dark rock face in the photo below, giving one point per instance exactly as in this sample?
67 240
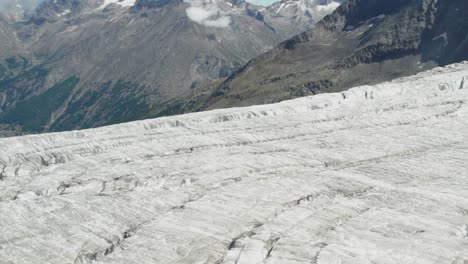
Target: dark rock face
362 42
139 4
355 12
446 41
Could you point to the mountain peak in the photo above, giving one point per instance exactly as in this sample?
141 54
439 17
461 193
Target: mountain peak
312 6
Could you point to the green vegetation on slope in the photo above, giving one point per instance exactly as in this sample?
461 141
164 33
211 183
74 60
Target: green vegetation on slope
125 103
34 113
104 105
78 109
13 64
35 75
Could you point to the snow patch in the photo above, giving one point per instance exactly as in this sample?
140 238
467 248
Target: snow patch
123 3
444 37
64 13
328 8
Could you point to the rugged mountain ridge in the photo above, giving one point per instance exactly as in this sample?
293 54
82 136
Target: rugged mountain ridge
362 42
115 61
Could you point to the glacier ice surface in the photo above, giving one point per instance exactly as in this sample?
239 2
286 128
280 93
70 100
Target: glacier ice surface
376 174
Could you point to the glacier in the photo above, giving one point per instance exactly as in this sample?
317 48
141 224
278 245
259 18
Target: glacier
375 174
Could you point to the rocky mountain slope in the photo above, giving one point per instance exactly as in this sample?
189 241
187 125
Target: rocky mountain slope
95 62
362 42
376 174
9 43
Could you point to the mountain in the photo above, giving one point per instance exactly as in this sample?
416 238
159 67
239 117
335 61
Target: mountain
7 39
376 174
362 42
17 10
93 62
299 14
12 55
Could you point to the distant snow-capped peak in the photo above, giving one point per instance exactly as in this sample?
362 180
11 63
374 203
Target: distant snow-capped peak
313 7
123 3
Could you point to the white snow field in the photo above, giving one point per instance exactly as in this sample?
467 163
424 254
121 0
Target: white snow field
377 174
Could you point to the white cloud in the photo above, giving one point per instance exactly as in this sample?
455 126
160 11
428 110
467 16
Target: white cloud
223 21
207 13
199 14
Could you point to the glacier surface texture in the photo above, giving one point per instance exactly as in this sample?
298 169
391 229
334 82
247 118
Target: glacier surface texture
376 174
